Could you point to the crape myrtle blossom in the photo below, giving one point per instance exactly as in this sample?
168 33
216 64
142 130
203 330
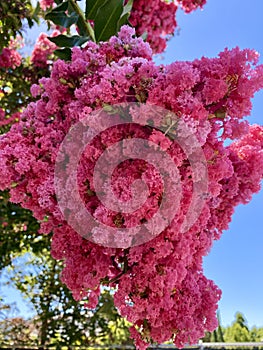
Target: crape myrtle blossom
45 4
43 50
190 5
160 286
159 19
10 58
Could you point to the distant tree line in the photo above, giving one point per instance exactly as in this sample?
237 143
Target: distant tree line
238 331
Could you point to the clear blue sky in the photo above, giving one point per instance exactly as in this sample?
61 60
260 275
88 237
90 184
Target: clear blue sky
235 262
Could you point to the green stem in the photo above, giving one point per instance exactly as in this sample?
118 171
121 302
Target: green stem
85 24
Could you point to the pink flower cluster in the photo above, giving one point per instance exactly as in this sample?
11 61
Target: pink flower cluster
160 285
43 49
44 4
14 118
190 5
10 58
159 19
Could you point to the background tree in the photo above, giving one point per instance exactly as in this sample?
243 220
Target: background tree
27 265
12 15
238 331
256 334
217 335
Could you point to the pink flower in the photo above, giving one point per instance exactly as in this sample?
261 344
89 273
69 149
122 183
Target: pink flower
35 90
158 21
42 51
161 287
10 58
44 4
190 5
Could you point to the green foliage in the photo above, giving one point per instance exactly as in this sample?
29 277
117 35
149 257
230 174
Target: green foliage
68 13
68 41
64 54
217 335
124 19
60 17
25 258
92 7
238 331
65 20
60 320
256 334
106 26
14 89
18 232
12 13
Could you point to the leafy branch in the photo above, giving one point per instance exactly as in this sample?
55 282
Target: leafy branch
68 13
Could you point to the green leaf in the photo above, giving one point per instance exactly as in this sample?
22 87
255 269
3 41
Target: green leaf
36 12
144 36
92 7
122 21
61 8
220 113
125 14
81 27
62 19
30 22
79 23
68 41
106 26
127 8
64 54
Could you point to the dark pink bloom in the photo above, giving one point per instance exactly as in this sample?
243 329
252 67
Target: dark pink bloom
42 51
163 291
10 58
44 4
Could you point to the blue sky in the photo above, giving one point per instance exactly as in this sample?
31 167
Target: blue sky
235 262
